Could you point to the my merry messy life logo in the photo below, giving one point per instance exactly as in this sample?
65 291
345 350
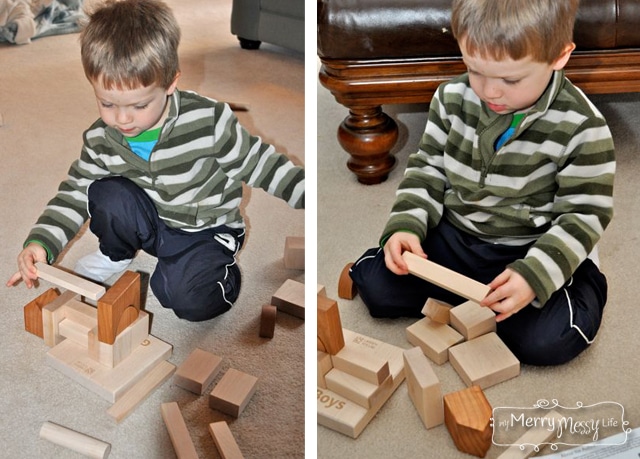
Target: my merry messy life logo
549 423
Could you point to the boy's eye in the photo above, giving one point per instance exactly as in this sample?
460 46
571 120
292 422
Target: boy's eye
141 107
511 82
106 105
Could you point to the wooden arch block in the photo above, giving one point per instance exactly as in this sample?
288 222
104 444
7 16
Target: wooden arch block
346 289
119 307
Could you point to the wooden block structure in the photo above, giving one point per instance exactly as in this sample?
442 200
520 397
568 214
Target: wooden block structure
119 307
346 288
268 321
467 415
69 281
343 415
196 373
233 392
357 390
330 338
75 441
472 320
33 311
178 432
437 311
294 252
424 388
525 446
289 298
445 278
484 361
433 338
224 440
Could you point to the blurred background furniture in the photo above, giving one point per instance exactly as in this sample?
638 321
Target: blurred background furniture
398 51
279 22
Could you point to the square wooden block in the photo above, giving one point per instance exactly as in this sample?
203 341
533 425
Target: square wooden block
472 320
289 298
197 371
233 392
433 338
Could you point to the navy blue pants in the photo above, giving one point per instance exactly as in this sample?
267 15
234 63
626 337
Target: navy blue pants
552 335
196 274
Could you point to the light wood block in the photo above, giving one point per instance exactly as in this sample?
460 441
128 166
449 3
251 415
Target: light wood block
69 281
484 361
196 373
330 337
437 311
131 399
445 278
33 311
74 331
75 441
433 338
525 446
268 321
322 290
362 362
233 392
58 310
472 320
346 417
324 365
424 388
294 252
357 390
126 342
346 287
119 307
178 432
467 415
289 298
224 440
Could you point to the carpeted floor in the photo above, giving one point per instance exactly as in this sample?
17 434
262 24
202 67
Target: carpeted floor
46 103
351 217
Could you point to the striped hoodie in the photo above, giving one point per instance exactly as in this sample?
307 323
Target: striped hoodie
194 175
551 182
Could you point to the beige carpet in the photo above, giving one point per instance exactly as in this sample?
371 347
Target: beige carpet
46 103
350 219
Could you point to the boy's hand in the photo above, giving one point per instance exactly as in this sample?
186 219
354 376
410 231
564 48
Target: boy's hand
31 254
510 292
401 242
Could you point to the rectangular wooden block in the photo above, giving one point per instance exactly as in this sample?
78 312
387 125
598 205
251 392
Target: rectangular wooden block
289 298
294 252
197 371
445 278
524 447
52 314
472 320
324 365
125 343
437 311
330 338
233 392
355 389
178 432
224 440
361 362
69 281
433 338
484 361
424 387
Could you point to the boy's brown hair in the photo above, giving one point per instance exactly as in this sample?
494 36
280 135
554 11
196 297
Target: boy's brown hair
540 29
130 44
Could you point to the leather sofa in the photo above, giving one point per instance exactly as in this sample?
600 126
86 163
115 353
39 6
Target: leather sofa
379 52
279 22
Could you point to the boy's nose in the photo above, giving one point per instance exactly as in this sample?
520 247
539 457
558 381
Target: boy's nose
491 90
123 116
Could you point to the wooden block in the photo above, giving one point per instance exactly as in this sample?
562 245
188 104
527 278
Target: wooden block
223 438
445 278
344 416
289 298
324 365
357 390
73 360
76 441
57 310
69 281
233 392
472 320
294 252
484 361
33 311
437 311
126 342
74 331
526 445
362 362
467 415
79 319
433 338
322 290
178 432
141 390
197 371
424 388
268 320
119 307
330 337
346 288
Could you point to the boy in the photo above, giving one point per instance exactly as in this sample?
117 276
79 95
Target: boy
160 171
512 186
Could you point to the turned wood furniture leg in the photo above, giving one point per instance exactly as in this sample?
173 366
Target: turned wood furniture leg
368 135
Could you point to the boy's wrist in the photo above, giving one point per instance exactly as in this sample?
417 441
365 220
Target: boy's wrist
50 256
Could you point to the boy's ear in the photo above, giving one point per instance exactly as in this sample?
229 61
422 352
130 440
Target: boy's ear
562 60
174 84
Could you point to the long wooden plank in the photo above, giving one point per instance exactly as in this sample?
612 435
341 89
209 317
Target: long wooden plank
445 278
224 440
69 281
178 432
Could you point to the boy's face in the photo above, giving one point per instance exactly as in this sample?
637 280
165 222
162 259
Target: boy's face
507 86
132 111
